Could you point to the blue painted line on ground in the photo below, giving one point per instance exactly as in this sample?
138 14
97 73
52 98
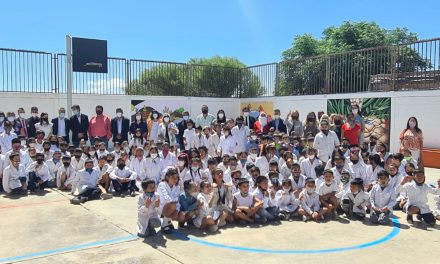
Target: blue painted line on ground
70 248
394 232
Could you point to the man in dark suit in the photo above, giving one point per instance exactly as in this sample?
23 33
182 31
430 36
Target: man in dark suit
277 123
249 121
32 121
79 125
21 124
120 126
182 126
61 125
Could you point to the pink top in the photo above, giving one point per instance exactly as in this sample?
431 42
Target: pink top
411 139
99 126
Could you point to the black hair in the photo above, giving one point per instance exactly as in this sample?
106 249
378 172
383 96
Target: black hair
418 130
319 170
187 185
145 183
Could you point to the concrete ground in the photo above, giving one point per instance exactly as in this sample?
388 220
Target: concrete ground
48 229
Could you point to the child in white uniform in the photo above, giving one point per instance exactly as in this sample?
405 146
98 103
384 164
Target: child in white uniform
327 194
270 211
148 203
382 199
309 199
355 200
286 200
208 217
245 205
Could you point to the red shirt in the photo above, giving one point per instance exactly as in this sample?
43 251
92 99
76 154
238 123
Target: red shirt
99 126
351 133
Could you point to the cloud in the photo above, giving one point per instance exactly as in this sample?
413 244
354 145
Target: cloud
107 86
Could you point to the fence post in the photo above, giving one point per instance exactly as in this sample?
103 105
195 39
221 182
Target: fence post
327 75
54 78
394 70
187 89
277 79
127 76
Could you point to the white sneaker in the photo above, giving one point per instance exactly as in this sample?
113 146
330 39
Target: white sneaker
306 218
213 228
221 223
106 196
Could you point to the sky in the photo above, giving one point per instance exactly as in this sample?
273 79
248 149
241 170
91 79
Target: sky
255 32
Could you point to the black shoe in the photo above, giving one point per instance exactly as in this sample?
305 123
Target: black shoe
409 219
190 223
76 200
151 231
182 225
171 226
141 235
166 230
419 217
122 195
132 193
84 199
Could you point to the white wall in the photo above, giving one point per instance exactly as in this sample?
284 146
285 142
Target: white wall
421 104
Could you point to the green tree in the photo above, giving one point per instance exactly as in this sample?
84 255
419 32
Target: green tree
203 77
313 65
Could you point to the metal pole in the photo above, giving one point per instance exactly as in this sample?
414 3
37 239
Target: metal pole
69 74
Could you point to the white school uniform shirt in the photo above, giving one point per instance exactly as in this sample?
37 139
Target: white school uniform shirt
263 164
146 213
38 146
267 200
320 180
372 150
140 167
404 162
215 142
324 189
395 181
240 136
53 167
300 184
287 202
117 154
204 210
361 199
309 202
195 176
227 145
6 141
373 174
418 195
77 164
70 176
182 174
359 170
337 174
167 195
25 159
2 164
385 197
41 171
227 177
326 144
123 174
87 180
308 168
154 169
247 201
138 142
105 169
437 205
190 137
208 142
170 160
11 177
343 188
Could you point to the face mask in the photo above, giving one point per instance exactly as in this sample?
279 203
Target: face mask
190 127
194 194
34 114
373 143
155 116
119 114
32 145
410 173
153 155
356 192
253 155
40 161
138 118
243 161
310 157
185 118
75 112
166 119
345 146
92 153
77 156
276 116
239 125
339 166
286 189
99 112
310 190
355 111
263 120
11 118
221 116
412 124
22 115
226 134
149 194
296 174
194 168
181 163
383 185
254 137
244 194
121 166
345 180
354 161
2 119
66 164
89 170
407 158
246 114
205 111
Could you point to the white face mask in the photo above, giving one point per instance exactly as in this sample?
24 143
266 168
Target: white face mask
185 118
155 116
246 114
355 111
181 163
62 115
221 116
286 189
166 119
92 153
310 190
32 145
311 156
11 118
153 155
138 118
22 115
253 155
412 124
276 116
119 115
75 112
254 137
34 114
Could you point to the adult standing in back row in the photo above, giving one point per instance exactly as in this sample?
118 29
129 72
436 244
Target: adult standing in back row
205 118
100 126
79 125
412 138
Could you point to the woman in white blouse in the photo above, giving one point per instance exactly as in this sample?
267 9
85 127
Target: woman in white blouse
44 125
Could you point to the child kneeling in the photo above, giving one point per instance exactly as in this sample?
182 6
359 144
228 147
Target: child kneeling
355 200
269 211
309 199
382 199
245 205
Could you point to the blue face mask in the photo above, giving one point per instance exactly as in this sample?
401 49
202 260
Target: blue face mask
89 170
149 194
